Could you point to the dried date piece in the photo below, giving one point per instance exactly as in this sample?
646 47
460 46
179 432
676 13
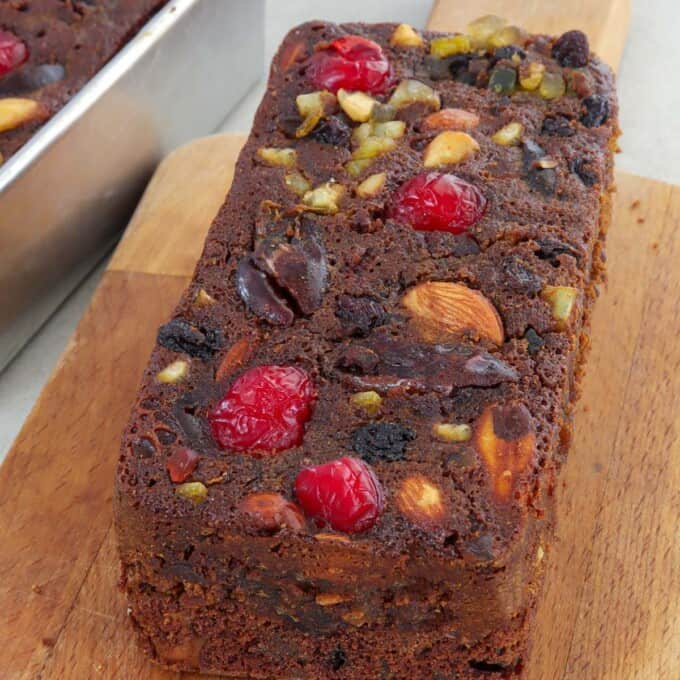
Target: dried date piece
557 126
260 296
594 111
382 442
539 177
179 335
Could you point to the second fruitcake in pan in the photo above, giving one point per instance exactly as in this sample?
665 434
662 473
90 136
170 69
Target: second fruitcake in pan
342 459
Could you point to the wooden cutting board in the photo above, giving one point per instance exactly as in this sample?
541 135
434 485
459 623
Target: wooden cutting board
611 608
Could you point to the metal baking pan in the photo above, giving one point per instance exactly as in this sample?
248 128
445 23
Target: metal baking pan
67 194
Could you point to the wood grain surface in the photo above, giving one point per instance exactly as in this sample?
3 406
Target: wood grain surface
611 607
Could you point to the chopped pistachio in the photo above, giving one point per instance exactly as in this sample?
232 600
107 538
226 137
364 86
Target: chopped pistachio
174 372
368 401
196 492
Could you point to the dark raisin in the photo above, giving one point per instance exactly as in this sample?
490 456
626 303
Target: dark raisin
558 126
503 80
332 130
382 442
359 315
594 110
338 659
580 169
358 360
534 341
179 335
515 276
571 49
551 248
508 52
143 447
541 179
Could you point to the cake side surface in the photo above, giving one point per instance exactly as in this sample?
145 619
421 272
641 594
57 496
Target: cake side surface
440 360
49 49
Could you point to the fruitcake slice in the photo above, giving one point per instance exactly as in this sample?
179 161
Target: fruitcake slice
342 458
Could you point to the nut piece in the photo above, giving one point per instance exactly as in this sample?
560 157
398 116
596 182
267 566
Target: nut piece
450 44
313 106
297 183
196 492
285 158
271 512
420 500
442 309
174 372
505 439
509 135
369 401
235 357
357 105
449 148
451 119
15 111
330 599
531 74
481 30
405 36
561 299
324 199
332 538
372 185
448 432
202 298
393 129
413 91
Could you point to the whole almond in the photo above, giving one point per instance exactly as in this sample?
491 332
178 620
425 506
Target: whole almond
442 310
451 119
420 500
505 439
270 512
448 148
16 111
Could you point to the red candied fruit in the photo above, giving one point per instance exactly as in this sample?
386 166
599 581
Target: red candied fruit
265 410
181 463
435 201
351 63
344 494
13 52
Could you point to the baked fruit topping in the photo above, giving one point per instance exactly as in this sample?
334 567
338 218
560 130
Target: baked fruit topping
270 512
352 63
434 201
13 52
344 494
264 411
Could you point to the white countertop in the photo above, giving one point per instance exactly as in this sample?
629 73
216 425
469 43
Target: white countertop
649 90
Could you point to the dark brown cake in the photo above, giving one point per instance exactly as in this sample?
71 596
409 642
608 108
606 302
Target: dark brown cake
342 459
49 49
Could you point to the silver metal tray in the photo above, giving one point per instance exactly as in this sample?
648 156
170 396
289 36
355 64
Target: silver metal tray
67 194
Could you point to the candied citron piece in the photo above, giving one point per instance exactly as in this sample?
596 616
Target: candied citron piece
552 86
406 36
369 401
449 45
324 199
413 91
286 158
481 30
452 432
509 135
357 105
297 183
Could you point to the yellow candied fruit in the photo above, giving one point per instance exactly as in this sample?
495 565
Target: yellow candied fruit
394 129
449 432
297 183
372 147
531 75
196 492
481 30
369 402
561 300
174 372
285 158
15 111
449 45
448 148
508 35
552 86
509 135
372 185
357 105
355 168
406 36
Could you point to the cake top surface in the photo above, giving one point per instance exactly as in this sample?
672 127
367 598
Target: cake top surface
379 340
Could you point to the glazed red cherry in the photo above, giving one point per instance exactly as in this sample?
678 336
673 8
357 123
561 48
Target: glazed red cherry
13 52
265 410
344 494
351 63
435 201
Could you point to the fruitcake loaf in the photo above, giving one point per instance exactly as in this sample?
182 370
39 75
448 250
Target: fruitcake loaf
49 49
343 455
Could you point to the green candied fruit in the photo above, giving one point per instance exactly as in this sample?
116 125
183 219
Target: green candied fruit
552 86
503 80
